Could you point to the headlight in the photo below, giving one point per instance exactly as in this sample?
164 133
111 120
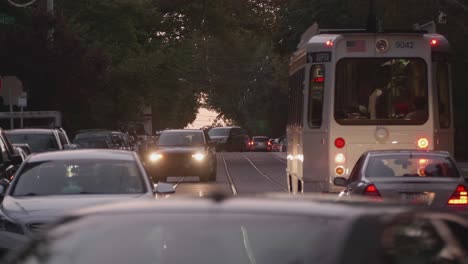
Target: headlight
155 157
198 156
8 226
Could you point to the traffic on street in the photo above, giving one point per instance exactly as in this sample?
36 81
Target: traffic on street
233 131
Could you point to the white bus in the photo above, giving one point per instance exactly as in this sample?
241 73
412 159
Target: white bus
353 91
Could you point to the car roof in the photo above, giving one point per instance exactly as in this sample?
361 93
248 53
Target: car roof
182 130
31 131
407 151
84 154
265 204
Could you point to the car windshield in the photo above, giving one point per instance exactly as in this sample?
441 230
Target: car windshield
94 135
219 132
260 139
79 177
220 238
36 142
182 138
406 165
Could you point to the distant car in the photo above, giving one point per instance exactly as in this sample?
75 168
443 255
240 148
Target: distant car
229 138
259 143
263 230
40 139
10 158
49 184
98 134
182 152
414 176
92 143
273 145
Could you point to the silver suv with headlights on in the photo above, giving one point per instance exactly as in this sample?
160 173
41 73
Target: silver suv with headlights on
182 152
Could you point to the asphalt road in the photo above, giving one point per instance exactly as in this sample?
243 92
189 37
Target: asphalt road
239 173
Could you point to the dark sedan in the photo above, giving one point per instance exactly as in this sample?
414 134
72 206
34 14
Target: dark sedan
413 176
49 184
182 152
261 230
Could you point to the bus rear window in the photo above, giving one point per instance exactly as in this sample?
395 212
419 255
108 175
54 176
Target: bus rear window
381 91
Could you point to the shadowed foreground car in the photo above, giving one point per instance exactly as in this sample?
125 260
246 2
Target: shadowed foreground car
267 230
49 184
413 176
182 152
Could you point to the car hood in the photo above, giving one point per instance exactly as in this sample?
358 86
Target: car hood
179 149
49 208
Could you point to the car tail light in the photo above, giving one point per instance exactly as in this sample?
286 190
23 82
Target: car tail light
372 191
433 42
269 143
340 142
459 197
423 143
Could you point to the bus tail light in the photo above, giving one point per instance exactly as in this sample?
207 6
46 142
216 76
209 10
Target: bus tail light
423 143
339 170
459 197
329 43
340 158
371 191
340 142
434 42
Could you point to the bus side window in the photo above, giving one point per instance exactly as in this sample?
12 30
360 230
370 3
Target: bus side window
296 98
442 79
316 90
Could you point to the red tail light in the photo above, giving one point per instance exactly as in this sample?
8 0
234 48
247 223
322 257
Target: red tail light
269 143
459 197
372 191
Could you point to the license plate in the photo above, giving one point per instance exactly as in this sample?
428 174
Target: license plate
418 198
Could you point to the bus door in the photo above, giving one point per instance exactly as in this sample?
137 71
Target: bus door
444 128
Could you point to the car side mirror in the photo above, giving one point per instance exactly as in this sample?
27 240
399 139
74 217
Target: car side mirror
164 188
70 146
340 181
16 160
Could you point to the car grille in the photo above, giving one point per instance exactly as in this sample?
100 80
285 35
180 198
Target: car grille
37 227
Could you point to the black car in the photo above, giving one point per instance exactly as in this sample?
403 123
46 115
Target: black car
262 230
229 138
49 184
413 176
183 152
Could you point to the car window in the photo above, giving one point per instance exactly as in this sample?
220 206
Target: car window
63 138
79 177
37 142
406 165
260 139
224 238
354 176
217 132
182 138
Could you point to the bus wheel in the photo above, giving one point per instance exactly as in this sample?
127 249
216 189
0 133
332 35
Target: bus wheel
299 186
290 183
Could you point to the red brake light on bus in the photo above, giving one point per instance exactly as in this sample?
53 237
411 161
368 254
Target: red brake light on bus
434 42
459 197
340 142
319 80
423 143
329 43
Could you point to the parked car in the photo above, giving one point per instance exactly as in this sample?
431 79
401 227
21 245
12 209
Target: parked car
182 152
259 143
49 184
10 160
228 138
414 176
263 230
41 139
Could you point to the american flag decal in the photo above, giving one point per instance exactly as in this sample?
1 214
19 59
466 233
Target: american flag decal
356 45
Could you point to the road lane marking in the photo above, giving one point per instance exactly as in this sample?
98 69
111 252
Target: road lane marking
264 174
231 181
283 161
179 182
